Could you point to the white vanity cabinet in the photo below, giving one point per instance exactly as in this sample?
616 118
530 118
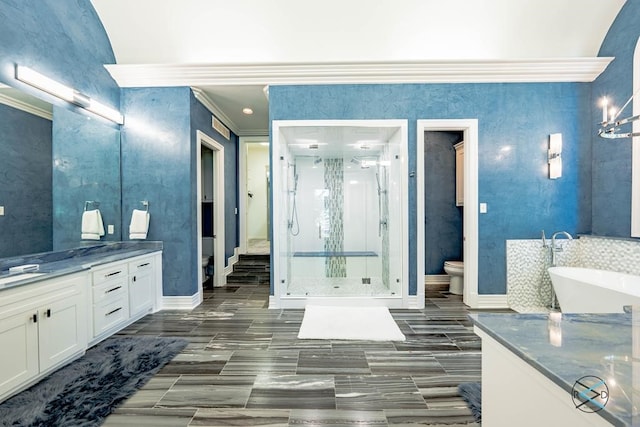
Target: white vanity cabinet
459 147
41 327
142 277
110 298
47 323
123 292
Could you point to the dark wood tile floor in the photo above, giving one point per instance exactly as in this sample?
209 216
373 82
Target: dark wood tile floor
244 366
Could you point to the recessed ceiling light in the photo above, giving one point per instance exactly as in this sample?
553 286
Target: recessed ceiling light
248 111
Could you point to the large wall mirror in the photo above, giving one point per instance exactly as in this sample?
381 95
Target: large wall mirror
54 160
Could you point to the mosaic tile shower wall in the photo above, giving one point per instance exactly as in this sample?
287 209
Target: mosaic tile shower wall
335 266
528 283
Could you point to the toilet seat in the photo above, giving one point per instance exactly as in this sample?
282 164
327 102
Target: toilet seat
455 264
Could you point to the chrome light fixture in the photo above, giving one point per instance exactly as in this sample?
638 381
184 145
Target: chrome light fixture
609 127
66 93
554 156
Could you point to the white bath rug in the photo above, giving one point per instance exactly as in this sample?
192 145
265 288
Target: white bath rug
349 323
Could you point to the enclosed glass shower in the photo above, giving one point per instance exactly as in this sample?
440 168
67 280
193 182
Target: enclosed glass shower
338 212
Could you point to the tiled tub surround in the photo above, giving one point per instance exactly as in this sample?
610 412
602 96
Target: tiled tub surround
60 263
528 283
560 349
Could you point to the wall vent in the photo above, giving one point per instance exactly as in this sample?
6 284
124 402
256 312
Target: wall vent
222 129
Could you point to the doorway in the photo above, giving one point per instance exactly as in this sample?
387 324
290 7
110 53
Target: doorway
210 211
469 129
254 183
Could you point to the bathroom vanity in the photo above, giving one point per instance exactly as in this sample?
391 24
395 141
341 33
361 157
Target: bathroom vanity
560 369
74 300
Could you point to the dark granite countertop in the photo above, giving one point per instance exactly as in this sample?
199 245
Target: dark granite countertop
567 347
60 263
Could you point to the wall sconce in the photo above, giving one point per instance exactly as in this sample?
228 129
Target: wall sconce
52 87
555 155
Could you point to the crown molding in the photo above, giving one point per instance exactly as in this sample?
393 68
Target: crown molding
473 71
214 109
24 106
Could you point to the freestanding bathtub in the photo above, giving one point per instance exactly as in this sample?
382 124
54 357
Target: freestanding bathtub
587 290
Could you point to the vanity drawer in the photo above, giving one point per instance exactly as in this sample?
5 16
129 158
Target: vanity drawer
141 266
110 314
110 272
110 291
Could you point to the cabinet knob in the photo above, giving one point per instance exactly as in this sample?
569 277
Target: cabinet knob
134 278
48 312
35 317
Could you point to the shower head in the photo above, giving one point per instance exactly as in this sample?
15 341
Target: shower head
355 161
317 160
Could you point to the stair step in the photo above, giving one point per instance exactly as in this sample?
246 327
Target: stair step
250 268
254 257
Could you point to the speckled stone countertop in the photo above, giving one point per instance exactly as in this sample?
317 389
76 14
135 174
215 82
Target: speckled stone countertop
60 263
567 347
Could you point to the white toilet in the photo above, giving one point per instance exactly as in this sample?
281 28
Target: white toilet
455 269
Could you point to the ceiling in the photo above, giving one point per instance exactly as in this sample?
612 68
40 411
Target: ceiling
229 50
337 141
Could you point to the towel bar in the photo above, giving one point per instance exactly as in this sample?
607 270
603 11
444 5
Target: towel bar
90 202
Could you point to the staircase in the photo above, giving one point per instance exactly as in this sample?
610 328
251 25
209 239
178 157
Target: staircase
251 270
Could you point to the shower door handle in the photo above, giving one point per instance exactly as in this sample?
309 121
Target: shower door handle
319 231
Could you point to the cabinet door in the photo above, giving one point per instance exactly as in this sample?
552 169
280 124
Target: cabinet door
141 290
62 331
18 350
460 175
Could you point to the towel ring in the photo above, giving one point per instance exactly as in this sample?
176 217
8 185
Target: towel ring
145 203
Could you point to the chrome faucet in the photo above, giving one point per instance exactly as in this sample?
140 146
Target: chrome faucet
557 248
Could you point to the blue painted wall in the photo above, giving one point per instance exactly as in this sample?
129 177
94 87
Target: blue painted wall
443 219
201 120
158 166
515 121
86 167
159 152
612 159
25 182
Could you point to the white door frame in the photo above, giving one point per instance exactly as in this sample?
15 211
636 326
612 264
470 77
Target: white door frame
219 278
469 127
242 185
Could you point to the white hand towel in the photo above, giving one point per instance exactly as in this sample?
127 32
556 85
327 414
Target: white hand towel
100 223
139 226
92 227
90 236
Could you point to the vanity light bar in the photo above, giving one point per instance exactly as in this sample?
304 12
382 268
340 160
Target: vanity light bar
66 93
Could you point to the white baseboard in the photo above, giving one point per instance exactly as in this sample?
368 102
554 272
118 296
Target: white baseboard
436 279
181 302
231 261
492 301
273 302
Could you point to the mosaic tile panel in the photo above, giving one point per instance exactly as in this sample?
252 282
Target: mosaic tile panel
334 211
528 283
610 254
